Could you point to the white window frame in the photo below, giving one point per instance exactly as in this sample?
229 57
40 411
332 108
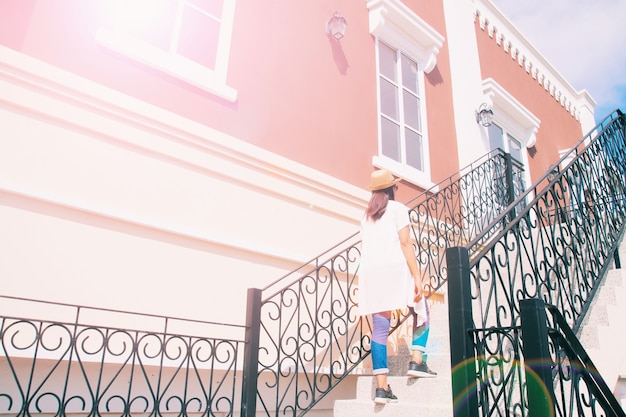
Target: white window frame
514 119
506 133
170 62
392 22
400 120
510 114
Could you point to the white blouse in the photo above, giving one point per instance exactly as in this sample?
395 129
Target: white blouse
385 281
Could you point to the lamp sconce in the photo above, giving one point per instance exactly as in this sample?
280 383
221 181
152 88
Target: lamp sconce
336 26
484 115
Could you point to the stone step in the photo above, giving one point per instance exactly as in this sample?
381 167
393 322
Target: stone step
427 397
361 408
603 333
438 360
607 308
437 389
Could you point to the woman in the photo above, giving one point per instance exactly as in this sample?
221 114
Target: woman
389 280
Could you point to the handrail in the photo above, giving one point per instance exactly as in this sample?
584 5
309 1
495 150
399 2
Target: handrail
73 361
558 248
564 338
312 336
78 308
80 363
594 168
449 181
550 177
310 333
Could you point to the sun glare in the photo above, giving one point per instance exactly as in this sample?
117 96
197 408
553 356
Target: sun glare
137 13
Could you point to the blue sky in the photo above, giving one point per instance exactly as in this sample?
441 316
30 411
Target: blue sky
585 40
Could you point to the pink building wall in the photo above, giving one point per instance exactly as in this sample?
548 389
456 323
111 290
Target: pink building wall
300 94
306 105
559 130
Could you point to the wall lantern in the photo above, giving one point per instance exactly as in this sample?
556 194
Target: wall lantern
336 26
484 115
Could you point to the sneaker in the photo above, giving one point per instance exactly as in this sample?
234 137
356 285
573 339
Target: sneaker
384 396
420 370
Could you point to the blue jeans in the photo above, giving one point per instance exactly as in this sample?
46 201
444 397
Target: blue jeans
381 323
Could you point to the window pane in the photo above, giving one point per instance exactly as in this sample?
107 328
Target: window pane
387 61
409 74
213 7
411 110
515 148
496 140
154 26
400 108
389 99
414 154
390 139
199 37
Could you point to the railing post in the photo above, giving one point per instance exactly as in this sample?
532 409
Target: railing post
510 186
462 356
537 360
251 353
623 117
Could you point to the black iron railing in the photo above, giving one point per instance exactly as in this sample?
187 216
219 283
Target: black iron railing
557 249
70 363
309 331
578 387
462 209
300 340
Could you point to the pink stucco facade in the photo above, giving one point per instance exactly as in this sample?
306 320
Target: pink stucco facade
262 158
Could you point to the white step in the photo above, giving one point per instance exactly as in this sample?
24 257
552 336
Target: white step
428 397
603 332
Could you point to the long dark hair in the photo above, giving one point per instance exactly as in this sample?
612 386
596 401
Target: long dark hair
378 203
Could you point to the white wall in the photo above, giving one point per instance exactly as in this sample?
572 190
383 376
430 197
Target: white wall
110 202
467 91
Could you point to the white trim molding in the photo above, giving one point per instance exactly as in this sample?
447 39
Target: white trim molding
212 80
172 64
394 22
506 35
74 111
518 119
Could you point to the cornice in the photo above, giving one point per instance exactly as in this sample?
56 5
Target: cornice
394 21
503 32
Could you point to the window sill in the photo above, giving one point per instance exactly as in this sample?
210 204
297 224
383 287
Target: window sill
174 65
405 172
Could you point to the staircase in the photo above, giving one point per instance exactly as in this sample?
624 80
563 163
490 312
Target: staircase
603 332
537 263
313 347
552 259
302 340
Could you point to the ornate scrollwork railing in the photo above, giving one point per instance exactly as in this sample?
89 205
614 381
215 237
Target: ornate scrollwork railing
461 210
557 249
579 389
64 367
311 335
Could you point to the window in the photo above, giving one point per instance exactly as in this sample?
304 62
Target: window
514 127
498 138
511 116
406 48
401 137
188 39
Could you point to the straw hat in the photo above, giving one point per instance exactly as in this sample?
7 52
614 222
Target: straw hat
382 179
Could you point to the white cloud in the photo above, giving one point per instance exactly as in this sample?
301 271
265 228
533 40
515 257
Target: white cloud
585 40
